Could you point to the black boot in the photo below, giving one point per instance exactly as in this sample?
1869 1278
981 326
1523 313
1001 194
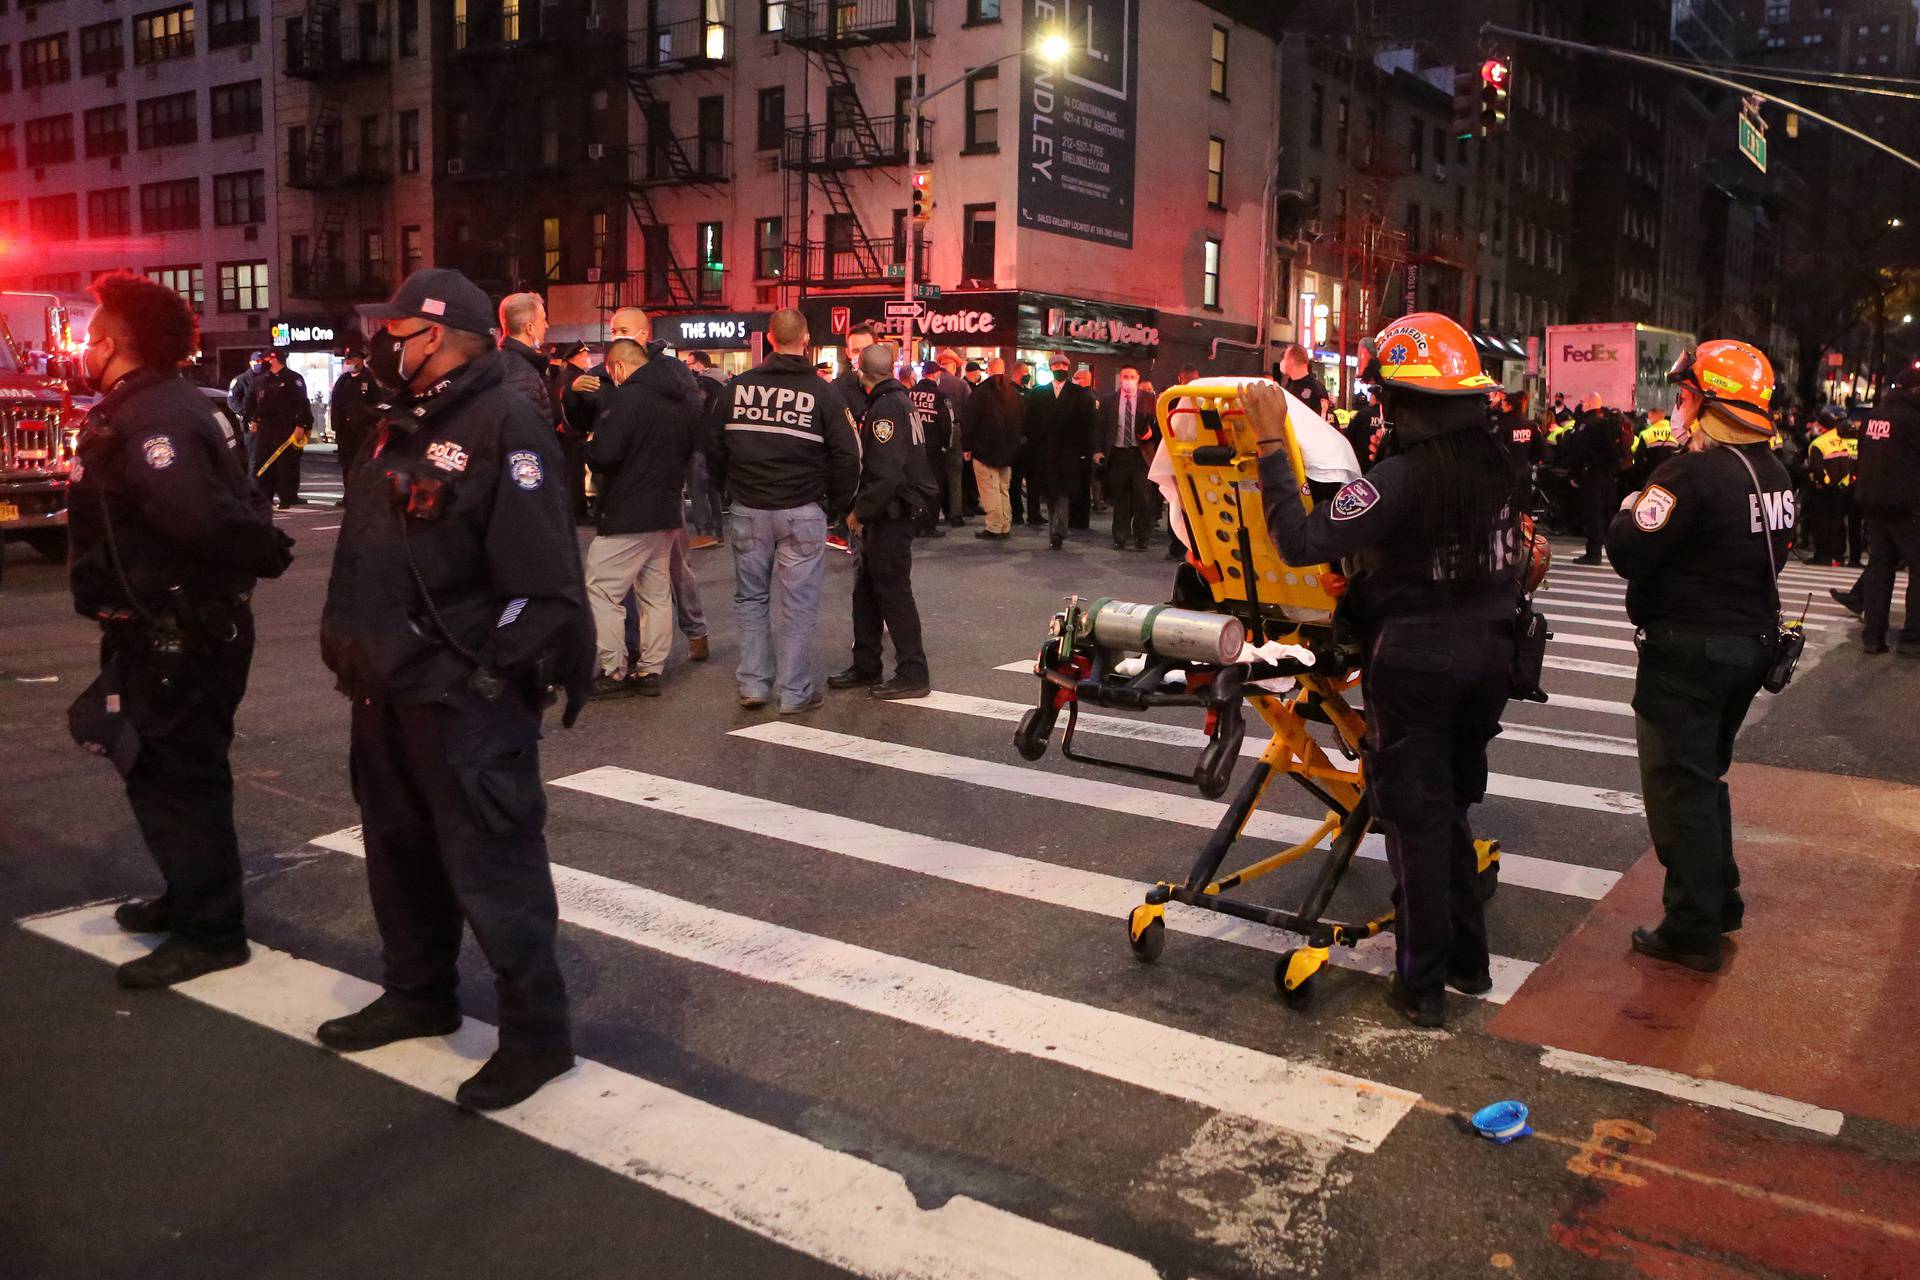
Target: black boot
144 915
1470 982
1847 600
386 1020
512 1075
1650 942
898 688
1423 1010
177 960
852 678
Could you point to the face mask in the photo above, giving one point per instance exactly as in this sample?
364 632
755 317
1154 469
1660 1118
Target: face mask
386 356
86 374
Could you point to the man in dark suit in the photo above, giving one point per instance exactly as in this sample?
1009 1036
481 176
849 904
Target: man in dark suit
1127 436
1059 439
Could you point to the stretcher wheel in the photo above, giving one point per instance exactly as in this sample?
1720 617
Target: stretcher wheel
1030 739
1300 995
1215 773
1147 939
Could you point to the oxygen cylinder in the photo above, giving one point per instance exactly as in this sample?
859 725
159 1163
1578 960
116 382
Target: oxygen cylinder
1186 635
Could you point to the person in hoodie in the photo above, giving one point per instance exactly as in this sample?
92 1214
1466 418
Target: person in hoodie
647 427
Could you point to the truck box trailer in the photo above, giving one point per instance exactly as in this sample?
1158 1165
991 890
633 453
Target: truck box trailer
1625 364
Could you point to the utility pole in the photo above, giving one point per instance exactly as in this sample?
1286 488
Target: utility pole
909 228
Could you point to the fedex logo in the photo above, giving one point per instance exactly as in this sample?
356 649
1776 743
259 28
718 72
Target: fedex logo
1589 355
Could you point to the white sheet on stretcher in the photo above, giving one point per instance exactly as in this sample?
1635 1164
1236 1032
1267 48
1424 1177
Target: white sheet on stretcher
1328 456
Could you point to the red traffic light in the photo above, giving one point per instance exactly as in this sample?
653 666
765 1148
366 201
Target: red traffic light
1494 73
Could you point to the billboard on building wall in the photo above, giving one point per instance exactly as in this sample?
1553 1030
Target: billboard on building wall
1078 120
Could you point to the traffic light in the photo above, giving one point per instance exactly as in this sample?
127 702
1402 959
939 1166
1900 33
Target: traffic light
1496 74
1466 105
922 208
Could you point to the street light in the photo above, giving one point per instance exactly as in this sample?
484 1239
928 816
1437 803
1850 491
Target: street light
1893 222
1907 318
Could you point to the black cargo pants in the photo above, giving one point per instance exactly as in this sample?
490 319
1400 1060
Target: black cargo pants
883 599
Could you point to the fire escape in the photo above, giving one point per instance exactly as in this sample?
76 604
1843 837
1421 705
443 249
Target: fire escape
661 160
849 140
1360 245
343 179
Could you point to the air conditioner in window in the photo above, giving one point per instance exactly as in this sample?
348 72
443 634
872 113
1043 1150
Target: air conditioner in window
456 167
596 151
593 275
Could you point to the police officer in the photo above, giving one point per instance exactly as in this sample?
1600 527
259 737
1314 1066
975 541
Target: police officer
1889 496
283 416
167 535
1523 439
454 605
1296 375
1700 548
896 488
1830 465
350 409
1653 444
1431 538
240 396
935 414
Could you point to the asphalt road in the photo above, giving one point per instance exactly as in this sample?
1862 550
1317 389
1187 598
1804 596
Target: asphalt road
852 990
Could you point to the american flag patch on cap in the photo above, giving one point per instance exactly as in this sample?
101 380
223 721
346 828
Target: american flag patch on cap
433 307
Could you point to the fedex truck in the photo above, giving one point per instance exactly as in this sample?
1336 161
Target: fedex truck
1624 364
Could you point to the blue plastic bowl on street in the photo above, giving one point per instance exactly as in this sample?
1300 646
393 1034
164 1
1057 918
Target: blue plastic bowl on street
1502 1122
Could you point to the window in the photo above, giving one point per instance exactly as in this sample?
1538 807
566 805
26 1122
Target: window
373 257
51 218
109 213
9 161
770 119
230 23
411 254
163 34
239 199
170 206
235 109
773 15
711 243
1314 194
189 282
1439 153
409 142
982 11
983 111
599 242
166 122
100 49
1317 116
1417 144
1210 275
978 246
6 69
550 247
1413 228
1217 63
550 133
766 249
409 15
243 286
49 140
44 61
1342 121
106 131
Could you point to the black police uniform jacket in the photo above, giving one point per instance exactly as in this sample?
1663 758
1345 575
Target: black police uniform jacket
351 407
1889 471
1392 574
896 480
645 433
465 476
781 437
1691 546
279 402
156 460
936 416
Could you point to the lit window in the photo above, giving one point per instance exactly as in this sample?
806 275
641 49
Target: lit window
1217 63
550 246
243 286
1210 276
1217 173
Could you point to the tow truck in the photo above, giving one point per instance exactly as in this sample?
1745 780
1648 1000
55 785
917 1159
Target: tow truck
39 427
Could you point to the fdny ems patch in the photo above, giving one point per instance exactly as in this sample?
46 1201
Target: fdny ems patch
1651 512
447 455
159 452
1354 499
883 431
524 466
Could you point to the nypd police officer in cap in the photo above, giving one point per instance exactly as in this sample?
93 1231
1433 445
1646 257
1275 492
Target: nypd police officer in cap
455 606
1432 543
167 535
1701 547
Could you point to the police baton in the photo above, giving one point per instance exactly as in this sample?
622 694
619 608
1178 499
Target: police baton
276 455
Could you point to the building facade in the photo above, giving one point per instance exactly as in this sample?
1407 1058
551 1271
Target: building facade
141 138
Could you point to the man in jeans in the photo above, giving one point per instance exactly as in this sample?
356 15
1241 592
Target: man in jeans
782 442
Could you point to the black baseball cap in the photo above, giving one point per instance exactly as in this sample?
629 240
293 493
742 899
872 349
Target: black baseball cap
440 295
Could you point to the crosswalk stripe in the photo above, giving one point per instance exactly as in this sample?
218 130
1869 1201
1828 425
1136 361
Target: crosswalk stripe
1315 1102
1094 892
1814 576
1828 612
1544 874
1511 786
1613 669
824 1203
1577 641
1552 609
1694 1089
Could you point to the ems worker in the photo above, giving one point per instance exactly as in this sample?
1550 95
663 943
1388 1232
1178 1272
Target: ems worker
1700 548
896 488
167 535
1431 541
282 416
1889 495
454 607
1830 466
783 444
351 411
1652 445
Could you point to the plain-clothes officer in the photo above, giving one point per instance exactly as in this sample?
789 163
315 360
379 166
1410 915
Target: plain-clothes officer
1700 548
1432 546
935 414
455 606
783 444
167 534
955 390
1127 437
283 415
990 432
1060 424
896 489
523 328
650 421
1889 497
351 411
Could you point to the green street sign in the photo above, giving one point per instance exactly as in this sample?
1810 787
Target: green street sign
896 271
1753 141
926 291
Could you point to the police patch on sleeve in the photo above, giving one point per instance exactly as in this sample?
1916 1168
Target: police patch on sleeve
1354 499
524 467
1651 512
883 431
159 452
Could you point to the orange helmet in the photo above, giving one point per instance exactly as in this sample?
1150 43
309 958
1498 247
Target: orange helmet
1736 381
1428 352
